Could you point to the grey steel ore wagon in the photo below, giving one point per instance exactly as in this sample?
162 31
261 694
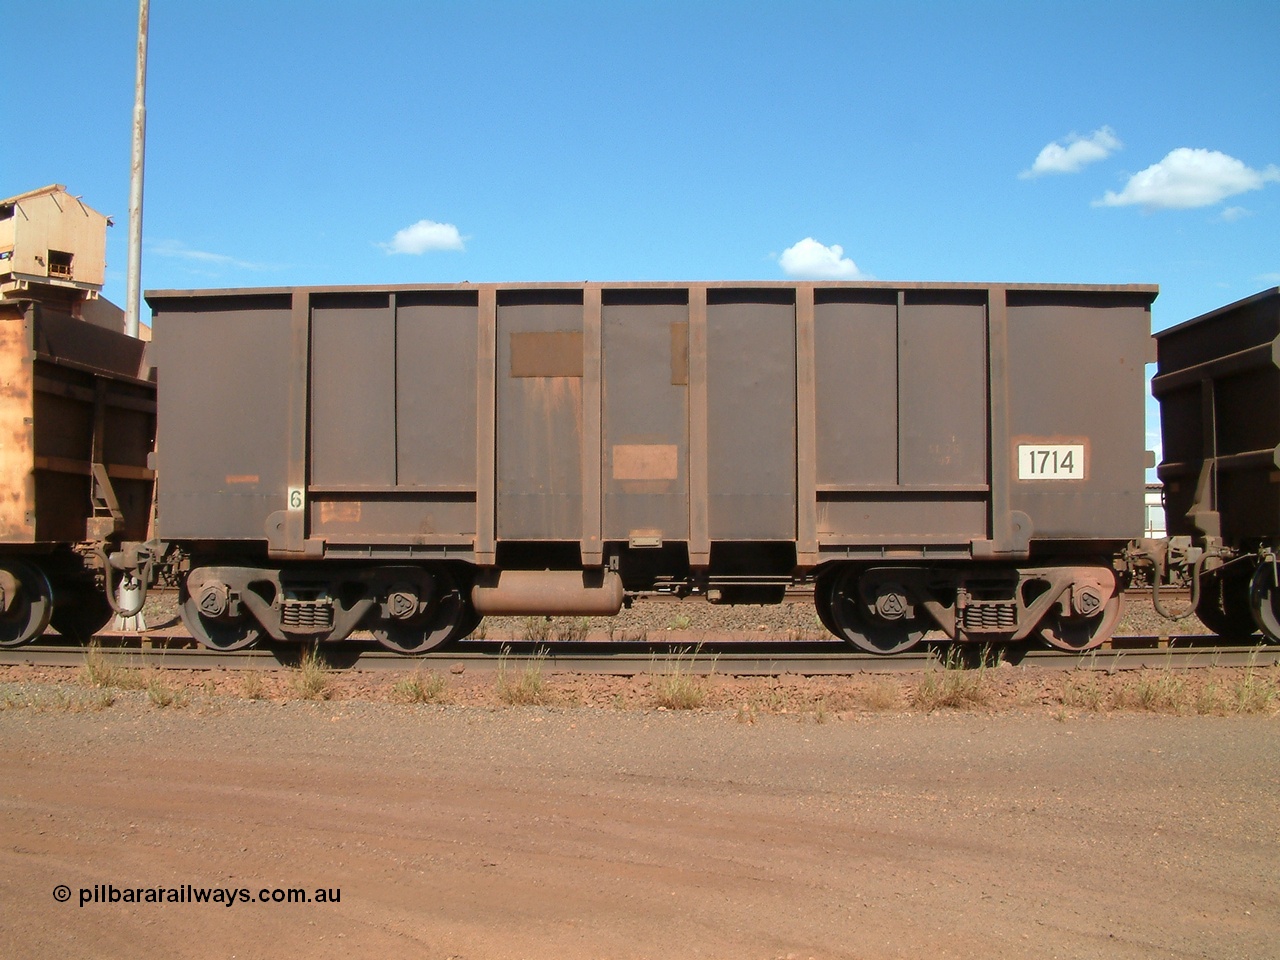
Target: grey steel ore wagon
958 457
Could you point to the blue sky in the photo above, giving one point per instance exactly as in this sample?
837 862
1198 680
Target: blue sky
294 142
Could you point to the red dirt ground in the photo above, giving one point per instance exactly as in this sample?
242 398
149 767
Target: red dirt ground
578 832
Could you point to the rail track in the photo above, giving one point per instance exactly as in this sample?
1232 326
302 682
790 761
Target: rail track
629 658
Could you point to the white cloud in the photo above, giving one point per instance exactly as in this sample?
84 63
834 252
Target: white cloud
177 250
423 236
1189 178
811 260
1232 214
1077 154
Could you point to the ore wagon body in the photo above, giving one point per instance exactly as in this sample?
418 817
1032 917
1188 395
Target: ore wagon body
77 426
1218 384
960 457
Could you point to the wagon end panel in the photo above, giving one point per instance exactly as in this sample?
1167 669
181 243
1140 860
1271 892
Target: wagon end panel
17 517
227 382
1074 448
94 415
77 425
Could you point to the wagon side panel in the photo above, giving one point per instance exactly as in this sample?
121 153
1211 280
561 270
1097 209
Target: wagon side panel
393 419
540 374
901 411
751 415
645 396
224 434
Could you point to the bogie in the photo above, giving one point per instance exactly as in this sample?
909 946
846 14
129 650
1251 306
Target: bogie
408 609
890 609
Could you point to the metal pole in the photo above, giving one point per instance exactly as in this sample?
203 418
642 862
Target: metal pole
133 294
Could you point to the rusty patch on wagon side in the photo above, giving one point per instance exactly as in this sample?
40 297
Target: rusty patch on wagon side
340 511
542 354
646 461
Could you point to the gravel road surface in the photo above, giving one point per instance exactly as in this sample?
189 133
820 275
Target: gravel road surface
533 832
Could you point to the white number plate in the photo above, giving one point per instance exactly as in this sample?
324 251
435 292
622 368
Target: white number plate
1051 461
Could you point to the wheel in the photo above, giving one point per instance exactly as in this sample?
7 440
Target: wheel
1077 632
1224 606
1264 598
466 626
79 612
29 608
822 604
440 624
863 624
219 633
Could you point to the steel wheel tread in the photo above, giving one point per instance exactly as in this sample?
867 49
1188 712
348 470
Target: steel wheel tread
219 634
1225 604
441 624
80 612
1264 599
864 630
29 612
1077 633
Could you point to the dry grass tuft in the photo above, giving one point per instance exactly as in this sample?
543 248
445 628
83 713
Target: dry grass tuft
100 671
1253 692
252 686
162 695
535 629
572 629
955 685
60 701
678 688
881 695
526 688
680 691
430 687
311 678
1083 691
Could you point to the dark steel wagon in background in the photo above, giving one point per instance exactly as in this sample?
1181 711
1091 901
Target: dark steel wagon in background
1218 383
957 456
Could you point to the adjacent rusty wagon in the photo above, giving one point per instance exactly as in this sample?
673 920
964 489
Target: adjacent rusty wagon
958 457
77 424
77 420
1218 383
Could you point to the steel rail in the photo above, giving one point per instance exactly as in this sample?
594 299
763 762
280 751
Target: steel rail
755 658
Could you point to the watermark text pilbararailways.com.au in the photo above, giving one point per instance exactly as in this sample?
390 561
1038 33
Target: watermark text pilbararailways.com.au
109 893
